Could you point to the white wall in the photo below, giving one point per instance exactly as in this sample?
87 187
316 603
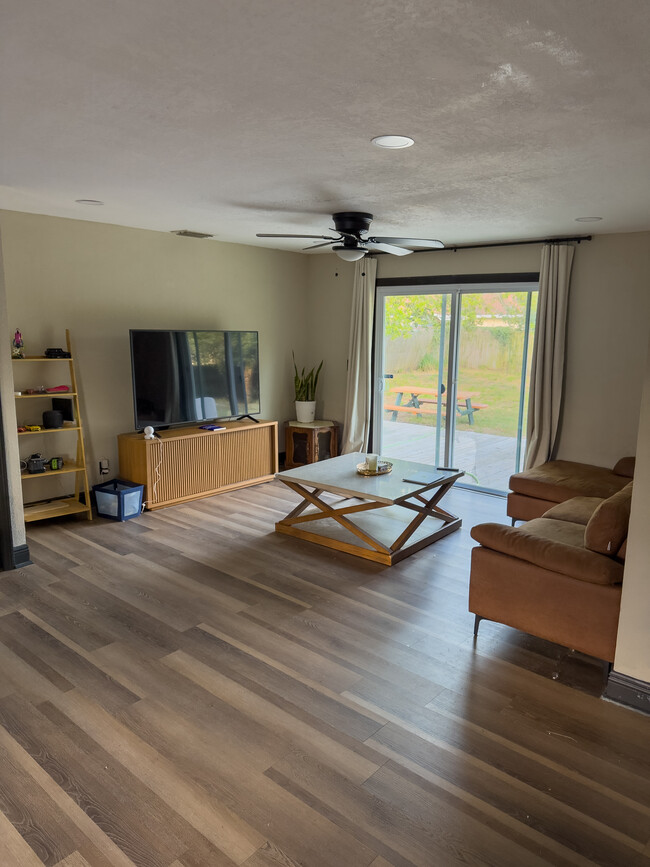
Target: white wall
100 280
633 645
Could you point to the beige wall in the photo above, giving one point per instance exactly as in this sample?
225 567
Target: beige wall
328 318
609 312
100 280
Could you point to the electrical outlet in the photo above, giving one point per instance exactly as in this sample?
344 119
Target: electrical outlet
104 466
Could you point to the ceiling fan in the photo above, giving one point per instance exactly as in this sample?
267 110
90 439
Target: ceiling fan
350 245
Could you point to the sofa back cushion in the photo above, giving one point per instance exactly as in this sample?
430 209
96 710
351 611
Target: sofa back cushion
607 527
577 510
625 467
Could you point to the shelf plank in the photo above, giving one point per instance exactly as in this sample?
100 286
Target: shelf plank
40 358
53 509
47 394
70 467
45 430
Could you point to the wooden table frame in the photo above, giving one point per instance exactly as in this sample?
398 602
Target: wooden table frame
423 501
464 405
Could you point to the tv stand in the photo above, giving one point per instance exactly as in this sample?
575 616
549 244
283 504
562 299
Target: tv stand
186 463
242 417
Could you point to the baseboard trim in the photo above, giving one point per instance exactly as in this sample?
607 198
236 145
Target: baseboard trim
627 690
21 556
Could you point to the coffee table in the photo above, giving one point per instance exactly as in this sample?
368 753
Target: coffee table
382 518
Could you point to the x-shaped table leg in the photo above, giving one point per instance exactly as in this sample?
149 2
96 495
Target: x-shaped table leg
325 510
429 509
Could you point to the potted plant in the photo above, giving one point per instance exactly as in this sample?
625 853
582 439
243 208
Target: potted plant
305 387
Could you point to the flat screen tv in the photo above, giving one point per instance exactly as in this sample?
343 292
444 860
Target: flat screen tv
180 377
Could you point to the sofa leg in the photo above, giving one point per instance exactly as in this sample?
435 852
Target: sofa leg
477 620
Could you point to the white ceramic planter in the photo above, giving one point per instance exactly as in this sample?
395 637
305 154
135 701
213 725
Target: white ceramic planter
305 410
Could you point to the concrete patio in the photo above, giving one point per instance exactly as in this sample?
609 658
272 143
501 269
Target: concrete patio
491 459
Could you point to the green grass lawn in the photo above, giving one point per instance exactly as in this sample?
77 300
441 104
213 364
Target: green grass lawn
499 390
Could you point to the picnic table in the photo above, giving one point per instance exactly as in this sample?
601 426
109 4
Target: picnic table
418 404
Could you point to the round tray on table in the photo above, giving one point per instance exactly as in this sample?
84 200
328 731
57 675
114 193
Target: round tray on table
383 467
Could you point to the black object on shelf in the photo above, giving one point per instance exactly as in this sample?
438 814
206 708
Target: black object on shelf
52 419
36 464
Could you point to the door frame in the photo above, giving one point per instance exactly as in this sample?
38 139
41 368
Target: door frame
454 285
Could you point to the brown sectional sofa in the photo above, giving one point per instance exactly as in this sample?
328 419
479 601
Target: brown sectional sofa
536 490
558 576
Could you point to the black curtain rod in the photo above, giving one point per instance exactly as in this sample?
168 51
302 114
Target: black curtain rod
454 247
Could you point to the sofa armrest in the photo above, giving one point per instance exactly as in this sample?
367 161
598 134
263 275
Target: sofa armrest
558 557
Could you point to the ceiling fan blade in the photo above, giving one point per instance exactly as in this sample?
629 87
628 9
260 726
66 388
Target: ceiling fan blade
386 248
316 246
265 235
427 243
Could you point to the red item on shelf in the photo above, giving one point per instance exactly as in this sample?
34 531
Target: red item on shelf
57 388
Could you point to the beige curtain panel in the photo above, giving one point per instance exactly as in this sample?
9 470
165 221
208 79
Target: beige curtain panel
356 424
547 371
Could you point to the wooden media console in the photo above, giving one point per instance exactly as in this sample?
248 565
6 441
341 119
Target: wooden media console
187 463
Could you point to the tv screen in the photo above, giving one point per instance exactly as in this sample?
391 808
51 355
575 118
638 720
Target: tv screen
180 377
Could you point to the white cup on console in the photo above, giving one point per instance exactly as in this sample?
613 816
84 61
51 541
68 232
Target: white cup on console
371 462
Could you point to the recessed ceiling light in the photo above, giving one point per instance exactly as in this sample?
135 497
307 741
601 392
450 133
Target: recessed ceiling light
88 202
587 219
393 141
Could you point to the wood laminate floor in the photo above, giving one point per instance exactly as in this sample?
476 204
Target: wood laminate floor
189 689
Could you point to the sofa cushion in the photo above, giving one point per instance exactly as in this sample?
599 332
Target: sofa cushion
564 532
534 543
557 481
577 510
625 467
607 527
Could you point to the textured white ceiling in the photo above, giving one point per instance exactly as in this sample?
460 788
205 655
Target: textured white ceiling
240 116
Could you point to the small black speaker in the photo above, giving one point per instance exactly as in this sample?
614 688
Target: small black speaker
52 418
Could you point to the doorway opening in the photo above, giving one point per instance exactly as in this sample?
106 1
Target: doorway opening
452 372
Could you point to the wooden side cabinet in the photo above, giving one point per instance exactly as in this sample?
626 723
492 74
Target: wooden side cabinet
187 463
309 442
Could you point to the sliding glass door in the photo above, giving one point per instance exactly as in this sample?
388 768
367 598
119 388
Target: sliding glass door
451 376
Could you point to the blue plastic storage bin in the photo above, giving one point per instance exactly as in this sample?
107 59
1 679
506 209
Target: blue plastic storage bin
119 499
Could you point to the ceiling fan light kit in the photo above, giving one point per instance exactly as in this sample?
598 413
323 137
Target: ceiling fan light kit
350 254
350 245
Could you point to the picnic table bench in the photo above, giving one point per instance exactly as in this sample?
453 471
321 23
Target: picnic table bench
419 405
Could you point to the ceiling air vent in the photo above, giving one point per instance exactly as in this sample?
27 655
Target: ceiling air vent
185 233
